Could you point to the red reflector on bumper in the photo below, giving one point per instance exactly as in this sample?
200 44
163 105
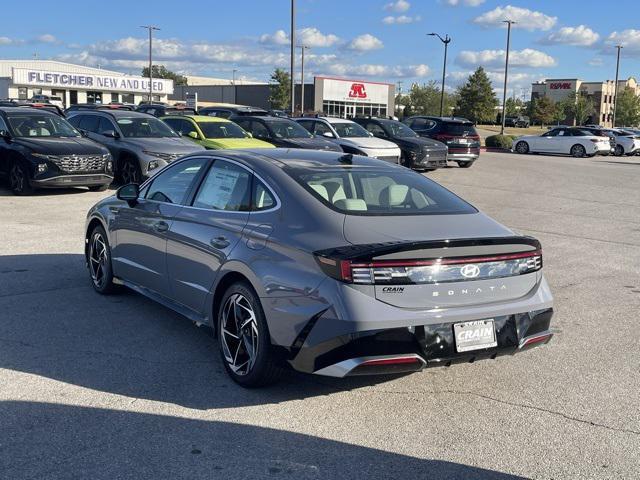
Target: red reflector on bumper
392 361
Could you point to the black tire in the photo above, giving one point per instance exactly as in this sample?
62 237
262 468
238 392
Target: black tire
129 171
19 179
522 147
404 161
249 366
619 151
578 151
99 262
465 164
99 188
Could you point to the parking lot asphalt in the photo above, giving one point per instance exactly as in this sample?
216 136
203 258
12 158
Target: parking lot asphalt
119 387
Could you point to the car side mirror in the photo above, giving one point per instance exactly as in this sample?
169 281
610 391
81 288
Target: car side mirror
129 193
193 135
328 135
111 134
5 134
249 134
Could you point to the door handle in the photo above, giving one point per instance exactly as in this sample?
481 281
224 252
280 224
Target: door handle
161 226
220 242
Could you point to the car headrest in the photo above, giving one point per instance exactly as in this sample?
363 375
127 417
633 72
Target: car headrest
393 195
321 190
335 191
353 204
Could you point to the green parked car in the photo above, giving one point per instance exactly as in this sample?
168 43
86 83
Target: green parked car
213 133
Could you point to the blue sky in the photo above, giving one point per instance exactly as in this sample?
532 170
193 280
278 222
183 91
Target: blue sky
371 39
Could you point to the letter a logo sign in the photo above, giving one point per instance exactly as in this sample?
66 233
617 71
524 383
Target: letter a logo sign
357 91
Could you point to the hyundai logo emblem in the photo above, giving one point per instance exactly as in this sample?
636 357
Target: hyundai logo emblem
470 271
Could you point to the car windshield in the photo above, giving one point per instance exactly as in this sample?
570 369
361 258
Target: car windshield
221 130
349 129
398 129
375 191
136 127
288 129
35 125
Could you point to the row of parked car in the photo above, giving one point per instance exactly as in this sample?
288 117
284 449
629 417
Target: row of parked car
40 148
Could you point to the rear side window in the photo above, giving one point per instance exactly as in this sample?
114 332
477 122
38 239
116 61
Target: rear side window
380 192
262 199
459 128
226 187
90 123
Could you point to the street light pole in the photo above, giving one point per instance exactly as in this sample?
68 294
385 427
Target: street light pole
506 73
302 49
233 82
151 28
293 56
615 87
446 40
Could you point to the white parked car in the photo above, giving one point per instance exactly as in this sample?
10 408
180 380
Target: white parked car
351 137
52 99
626 142
564 140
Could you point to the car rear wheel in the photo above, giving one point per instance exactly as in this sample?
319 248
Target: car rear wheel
522 147
578 151
130 171
99 262
243 338
619 151
465 164
19 179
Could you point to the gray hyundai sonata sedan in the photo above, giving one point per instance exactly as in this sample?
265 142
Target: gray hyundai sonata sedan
330 263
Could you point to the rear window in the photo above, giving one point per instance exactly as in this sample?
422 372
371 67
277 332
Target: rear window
457 128
379 192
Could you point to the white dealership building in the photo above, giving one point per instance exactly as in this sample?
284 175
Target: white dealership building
342 97
22 79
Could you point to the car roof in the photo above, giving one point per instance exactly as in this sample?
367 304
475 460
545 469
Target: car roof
199 118
116 113
268 118
443 119
27 110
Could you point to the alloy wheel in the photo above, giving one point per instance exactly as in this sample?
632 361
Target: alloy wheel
17 178
129 173
578 151
522 147
239 334
98 258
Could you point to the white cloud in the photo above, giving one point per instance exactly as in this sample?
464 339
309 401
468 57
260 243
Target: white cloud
468 3
492 59
312 37
280 37
580 36
10 41
364 43
629 39
400 19
47 38
526 19
596 62
398 6
376 70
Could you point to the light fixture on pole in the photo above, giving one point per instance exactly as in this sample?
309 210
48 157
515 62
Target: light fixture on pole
151 28
446 40
506 73
293 56
615 87
302 49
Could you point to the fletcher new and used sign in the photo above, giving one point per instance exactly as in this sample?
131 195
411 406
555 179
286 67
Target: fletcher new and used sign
83 81
350 91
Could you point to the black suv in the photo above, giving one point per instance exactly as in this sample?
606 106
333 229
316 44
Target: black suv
284 133
233 110
457 133
158 110
39 149
416 152
519 122
99 106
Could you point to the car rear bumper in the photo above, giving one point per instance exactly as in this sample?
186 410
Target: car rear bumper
463 153
431 160
410 349
76 180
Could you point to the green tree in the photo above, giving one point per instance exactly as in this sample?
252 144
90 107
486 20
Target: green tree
476 99
280 89
544 110
514 107
160 71
582 108
628 111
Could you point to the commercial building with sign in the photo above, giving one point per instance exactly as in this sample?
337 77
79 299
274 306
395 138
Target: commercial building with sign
332 96
22 79
601 93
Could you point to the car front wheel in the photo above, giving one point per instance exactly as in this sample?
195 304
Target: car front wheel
619 151
19 179
465 164
243 338
130 171
522 147
99 262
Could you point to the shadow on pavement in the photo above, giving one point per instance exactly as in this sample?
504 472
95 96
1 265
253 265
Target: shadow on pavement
64 441
54 325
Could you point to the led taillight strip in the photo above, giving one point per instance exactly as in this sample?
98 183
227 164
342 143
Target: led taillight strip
447 261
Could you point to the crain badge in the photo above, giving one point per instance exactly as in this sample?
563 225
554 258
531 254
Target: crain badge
470 271
392 289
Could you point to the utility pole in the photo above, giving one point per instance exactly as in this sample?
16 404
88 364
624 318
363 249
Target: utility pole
151 28
302 49
446 40
293 56
233 82
506 72
615 87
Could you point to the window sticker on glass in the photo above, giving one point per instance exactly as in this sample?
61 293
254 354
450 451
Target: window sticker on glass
218 189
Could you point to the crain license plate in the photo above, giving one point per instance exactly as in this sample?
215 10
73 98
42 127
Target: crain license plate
476 335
